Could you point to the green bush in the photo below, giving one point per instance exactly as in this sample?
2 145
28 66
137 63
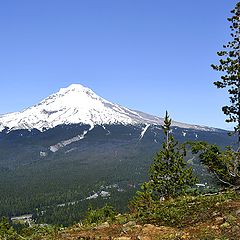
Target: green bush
7 232
184 210
40 232
100 215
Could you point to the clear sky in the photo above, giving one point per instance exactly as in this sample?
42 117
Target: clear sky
149 55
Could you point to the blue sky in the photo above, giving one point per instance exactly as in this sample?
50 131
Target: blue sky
149 55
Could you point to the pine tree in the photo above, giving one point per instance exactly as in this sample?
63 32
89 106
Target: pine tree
219 162
229 64
169 175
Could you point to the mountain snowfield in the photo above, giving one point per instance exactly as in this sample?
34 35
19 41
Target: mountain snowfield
78 104
73 145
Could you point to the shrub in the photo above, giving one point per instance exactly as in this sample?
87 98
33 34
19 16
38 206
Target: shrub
7 232
100 215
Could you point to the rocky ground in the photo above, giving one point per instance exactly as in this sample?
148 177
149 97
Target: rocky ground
201 217
222 225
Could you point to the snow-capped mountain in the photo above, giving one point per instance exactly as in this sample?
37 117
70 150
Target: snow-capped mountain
73 141
78 104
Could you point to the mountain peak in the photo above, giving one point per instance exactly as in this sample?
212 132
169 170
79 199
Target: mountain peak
71 105
76 95
77 104
75 87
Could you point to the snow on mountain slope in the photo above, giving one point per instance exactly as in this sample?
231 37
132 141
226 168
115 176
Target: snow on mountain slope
78 104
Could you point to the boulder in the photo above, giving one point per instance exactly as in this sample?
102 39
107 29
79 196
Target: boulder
219 220
103 225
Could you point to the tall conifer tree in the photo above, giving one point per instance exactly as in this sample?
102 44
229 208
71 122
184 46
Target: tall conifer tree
229 64
169 175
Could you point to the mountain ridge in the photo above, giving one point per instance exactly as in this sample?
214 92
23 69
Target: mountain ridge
69 162
78 104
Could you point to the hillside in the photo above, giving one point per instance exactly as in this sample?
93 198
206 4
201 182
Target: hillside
75 148
194 218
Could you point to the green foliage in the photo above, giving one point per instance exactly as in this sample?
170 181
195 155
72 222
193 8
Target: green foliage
187 210
169 175
224 164
7 232
47 232
61 178
142 204
229 64
100 215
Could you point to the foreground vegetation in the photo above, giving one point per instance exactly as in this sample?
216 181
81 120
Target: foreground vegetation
167 207
214 216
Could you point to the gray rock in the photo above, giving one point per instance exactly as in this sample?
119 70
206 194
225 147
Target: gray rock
103 225
219 220
238 212
129 224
